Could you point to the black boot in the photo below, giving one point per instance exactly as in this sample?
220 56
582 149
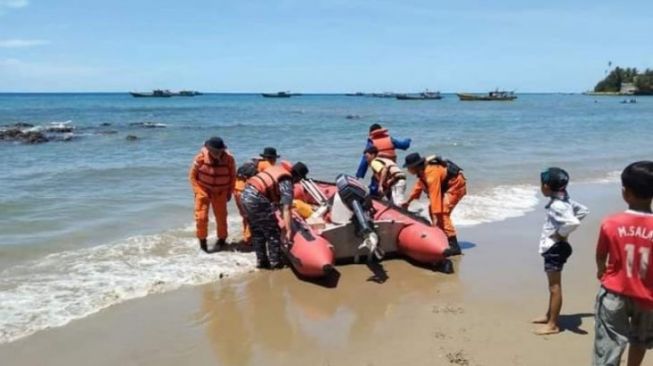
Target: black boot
454 248
220 245
262 263
204 246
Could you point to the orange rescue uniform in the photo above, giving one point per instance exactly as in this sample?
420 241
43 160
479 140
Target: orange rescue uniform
261 165
213 184
432 180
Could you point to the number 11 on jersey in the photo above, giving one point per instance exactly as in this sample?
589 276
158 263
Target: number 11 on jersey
644 254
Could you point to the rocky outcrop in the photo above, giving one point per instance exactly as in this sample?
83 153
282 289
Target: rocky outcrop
27 137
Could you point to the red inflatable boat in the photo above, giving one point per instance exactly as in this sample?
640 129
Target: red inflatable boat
316 250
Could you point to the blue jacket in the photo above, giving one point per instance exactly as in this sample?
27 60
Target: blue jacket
398 144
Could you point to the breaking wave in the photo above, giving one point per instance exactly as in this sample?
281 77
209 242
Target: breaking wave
61 287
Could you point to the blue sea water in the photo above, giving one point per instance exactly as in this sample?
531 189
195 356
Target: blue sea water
97 220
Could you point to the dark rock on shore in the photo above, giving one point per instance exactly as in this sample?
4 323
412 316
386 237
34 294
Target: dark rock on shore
60 129
20 125
29 137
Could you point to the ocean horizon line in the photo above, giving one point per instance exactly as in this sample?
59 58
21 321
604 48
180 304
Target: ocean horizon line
311 93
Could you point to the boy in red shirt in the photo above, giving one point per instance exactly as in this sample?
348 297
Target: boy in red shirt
624 305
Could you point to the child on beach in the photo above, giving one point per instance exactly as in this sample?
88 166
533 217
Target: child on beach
624 304
562 217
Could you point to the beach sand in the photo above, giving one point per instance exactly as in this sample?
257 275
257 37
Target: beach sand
478 316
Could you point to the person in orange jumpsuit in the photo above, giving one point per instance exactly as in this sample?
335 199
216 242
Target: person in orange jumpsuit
267 159
445 186
212 177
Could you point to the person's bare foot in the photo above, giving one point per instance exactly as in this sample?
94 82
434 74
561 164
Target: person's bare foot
547 330
540 320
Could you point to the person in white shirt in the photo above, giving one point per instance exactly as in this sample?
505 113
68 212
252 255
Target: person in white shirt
562 217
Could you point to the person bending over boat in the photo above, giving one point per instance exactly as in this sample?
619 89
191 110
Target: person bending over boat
212 177
263 193
387 145
267 159
391 179
445 186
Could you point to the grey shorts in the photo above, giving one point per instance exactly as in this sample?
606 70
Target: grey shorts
619 321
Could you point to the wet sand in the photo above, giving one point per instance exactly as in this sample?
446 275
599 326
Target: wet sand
477 316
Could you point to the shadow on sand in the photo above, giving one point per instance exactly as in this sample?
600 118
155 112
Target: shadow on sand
329 281
572 322
466 245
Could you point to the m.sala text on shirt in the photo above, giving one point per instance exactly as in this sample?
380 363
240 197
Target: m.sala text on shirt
635 231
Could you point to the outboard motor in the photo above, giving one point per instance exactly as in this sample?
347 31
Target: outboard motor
355 196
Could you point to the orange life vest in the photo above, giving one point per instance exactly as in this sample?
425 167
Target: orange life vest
382 141
393 172
267 182
260 164
214 175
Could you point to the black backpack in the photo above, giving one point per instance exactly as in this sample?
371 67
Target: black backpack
247 170
452 168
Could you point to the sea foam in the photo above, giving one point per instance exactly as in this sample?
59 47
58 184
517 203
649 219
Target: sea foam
61 287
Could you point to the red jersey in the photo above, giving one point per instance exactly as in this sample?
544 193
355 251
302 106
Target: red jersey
627 238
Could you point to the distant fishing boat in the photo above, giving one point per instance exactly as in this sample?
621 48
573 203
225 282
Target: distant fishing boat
357 94
497 95
384 95
188 93
281 94
157 93
426 95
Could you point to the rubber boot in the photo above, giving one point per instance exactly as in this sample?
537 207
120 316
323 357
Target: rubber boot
262 264
279 265
454 248
220 245
204 246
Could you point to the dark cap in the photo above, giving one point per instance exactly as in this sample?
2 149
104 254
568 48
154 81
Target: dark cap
556 178
375 127
372 150
269 152
247 170
299 170
215 143
413 160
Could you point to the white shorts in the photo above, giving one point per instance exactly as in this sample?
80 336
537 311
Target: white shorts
398 195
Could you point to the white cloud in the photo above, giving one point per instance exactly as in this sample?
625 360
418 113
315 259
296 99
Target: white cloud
22 43
13 4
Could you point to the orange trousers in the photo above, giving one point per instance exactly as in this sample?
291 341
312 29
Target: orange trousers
443 219
202 204
247 234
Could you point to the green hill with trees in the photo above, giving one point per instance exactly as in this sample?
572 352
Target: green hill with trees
643 81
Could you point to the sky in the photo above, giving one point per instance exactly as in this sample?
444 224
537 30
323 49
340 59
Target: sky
318 46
